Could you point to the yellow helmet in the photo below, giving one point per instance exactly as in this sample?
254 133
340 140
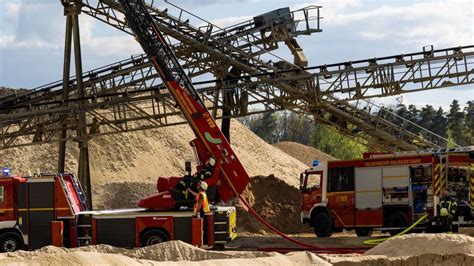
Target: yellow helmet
203 185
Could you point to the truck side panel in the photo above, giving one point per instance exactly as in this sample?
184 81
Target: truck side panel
182 229
118 232
41 213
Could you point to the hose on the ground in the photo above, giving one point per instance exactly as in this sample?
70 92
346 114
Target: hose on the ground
249 209
374 242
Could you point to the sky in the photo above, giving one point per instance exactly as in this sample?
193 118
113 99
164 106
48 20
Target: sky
32 35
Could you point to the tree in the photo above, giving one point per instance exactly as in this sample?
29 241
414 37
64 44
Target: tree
427 117
469 122
440 123
294 127
333 143
455 123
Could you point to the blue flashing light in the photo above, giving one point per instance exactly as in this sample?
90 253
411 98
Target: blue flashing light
315 163
6 171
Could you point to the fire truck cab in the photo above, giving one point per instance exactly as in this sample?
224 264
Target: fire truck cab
387 192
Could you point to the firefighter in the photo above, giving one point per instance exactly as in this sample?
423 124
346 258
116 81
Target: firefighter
201 205
184 189
207 170
447 210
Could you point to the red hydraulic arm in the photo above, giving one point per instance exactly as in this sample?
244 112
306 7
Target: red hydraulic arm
210 142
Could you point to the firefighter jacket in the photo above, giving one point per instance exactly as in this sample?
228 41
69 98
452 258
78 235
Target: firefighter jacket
205 173
201 196
447 206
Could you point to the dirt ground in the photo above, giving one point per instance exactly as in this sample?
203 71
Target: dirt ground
252 241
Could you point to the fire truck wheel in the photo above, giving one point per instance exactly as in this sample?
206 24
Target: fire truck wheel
153 237
363 231
10 242
322 225
397 219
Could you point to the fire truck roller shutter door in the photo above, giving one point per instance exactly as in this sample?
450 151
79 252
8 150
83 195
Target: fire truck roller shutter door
396 176
40 211
368 197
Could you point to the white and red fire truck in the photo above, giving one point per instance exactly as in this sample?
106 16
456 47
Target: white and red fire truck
387 192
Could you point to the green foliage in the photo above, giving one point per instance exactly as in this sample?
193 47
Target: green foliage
290 126
335 144
457 125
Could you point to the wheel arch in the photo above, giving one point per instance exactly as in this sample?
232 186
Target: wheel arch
318 209
17 233
13 230
149 229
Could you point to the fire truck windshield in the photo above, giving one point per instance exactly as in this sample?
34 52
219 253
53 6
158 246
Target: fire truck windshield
310 180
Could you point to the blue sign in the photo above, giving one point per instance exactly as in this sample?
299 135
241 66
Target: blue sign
315 163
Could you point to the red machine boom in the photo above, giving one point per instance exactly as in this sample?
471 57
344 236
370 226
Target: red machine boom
231 177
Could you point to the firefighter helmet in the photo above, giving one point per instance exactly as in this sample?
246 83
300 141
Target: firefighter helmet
212 161
203 185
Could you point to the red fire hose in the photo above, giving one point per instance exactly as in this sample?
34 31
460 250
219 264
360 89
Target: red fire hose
306 246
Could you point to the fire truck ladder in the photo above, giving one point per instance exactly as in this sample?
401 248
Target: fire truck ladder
188 100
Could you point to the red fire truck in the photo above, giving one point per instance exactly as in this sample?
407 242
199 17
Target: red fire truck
387 192
50 209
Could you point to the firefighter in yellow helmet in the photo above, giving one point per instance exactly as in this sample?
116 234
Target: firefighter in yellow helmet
202 208
447 209
201 204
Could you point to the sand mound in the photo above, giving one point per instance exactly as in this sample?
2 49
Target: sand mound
305 154
173 252
145 155
417 244
425 259
118 195
276 201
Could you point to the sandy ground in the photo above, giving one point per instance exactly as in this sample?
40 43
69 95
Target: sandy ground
169 253
305 154
417 250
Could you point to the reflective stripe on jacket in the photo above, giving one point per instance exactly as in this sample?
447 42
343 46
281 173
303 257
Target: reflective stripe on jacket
450 205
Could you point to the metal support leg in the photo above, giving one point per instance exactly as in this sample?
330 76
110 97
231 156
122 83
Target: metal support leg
66 74
83 171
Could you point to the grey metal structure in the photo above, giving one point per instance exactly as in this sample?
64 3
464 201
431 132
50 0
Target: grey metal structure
128 95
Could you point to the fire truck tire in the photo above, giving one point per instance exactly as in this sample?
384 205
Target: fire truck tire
322 224
153 237
10 241
363 231
397 219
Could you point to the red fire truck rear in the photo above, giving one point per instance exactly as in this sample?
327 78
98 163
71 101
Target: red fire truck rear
50 209
387 192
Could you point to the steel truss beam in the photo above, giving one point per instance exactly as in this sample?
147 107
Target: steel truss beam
129 91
